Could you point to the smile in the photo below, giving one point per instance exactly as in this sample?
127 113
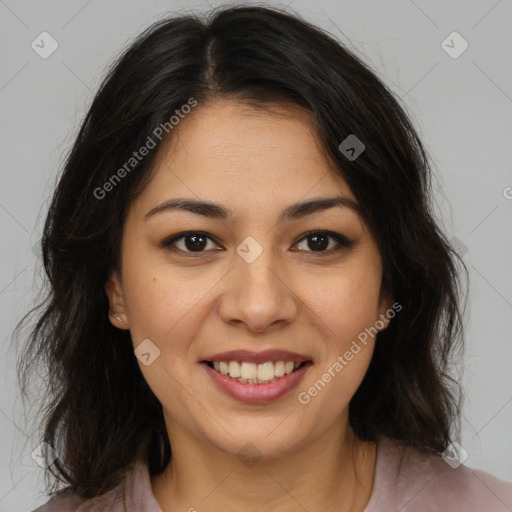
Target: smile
251 373
251 383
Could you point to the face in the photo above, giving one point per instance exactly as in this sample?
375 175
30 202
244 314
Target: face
250 281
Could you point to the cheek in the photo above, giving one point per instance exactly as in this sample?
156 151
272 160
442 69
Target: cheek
160 301
347 302
163 307
346 315
345 311
169 308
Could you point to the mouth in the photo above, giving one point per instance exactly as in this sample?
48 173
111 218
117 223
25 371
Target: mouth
256 383
247 372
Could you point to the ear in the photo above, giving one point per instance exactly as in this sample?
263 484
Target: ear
114 291
384 309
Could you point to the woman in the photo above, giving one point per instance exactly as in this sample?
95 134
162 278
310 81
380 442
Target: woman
251 306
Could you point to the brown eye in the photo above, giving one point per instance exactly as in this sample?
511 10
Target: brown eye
196 242
193 242
318 241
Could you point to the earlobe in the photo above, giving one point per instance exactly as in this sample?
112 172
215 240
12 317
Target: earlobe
386 312
117 312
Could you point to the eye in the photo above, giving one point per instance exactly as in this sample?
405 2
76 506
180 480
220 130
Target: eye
194 242
319 241
197 242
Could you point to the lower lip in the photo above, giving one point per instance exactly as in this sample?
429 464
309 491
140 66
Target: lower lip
257 393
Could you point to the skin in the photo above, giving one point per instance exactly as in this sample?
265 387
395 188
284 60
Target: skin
293 297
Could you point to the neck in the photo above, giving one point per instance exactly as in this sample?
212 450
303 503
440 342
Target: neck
334 472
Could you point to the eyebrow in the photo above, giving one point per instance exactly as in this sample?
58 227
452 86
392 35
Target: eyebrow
217 211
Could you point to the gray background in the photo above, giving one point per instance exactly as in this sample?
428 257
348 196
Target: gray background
461 107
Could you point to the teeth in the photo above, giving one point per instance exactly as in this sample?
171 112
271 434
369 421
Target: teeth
252 373
266 371
248 371
279 368
234 369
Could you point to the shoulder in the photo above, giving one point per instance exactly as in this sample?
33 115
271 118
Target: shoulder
61 503
134 494
414 480
113 501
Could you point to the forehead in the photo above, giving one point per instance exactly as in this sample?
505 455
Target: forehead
230 130
236 154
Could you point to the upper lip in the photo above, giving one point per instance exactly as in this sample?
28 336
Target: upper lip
259 357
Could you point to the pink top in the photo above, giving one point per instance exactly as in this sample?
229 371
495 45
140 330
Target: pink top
406 480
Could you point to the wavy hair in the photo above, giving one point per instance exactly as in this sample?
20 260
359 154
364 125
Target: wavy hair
97 410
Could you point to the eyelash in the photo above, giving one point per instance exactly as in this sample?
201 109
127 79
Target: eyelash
343 242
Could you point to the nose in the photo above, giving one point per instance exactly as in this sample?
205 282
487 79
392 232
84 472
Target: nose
258 295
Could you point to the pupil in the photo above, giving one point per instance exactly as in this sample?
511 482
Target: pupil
322 245
199 242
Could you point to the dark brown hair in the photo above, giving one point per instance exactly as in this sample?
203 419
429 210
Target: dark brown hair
98 411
